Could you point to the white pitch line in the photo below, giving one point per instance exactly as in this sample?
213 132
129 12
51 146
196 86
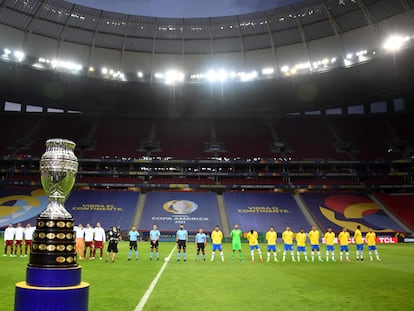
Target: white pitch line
154 282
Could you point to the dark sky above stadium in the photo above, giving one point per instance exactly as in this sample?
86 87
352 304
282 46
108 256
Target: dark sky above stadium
184 8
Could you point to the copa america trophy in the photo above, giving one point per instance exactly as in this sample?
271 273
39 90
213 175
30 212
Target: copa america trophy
53 278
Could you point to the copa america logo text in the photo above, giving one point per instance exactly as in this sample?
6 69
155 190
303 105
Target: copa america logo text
180 207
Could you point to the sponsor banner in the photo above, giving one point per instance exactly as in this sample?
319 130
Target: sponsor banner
170 209
379 240
409 240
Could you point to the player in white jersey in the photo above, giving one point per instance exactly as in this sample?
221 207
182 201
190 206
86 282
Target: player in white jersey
89 232
18 239
28 238
9 239
99 240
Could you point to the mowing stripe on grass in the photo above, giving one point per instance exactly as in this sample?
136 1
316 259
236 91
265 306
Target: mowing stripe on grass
154 282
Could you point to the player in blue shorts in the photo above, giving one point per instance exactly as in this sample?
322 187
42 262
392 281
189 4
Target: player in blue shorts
287 237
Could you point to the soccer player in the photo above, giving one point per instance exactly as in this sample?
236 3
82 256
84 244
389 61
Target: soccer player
113 236
301 244
236 235
28 238
79 234
9 240
287 237
182 239
99 239
89 232
201 241
18 239
371 241
154 238
343 238
359 244
217 238
271 237
314 240
133 239
330 242
253 238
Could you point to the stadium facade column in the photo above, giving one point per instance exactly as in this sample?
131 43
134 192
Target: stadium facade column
53 277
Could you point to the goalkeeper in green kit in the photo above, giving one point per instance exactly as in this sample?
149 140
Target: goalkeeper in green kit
236 235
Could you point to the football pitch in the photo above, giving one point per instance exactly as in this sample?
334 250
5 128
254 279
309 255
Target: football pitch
192 285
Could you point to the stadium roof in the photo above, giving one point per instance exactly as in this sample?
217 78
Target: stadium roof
284 39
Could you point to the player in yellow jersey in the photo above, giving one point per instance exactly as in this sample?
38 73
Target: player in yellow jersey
330 242
371 241
287 237
359 243
314 240
217 238
253 238
271 237
301 244
343 238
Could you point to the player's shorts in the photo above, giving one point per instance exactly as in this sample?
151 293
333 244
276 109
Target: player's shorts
271 248
330 248
344 248
253 247
217 247
133 245
200 246
182 244
8 243
19 242
236 246
28 242
98 244
360 247
372 248
315 247
89 244
301 249
112 247
288 247
154 244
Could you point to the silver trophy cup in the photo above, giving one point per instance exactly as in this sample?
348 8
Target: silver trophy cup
58 168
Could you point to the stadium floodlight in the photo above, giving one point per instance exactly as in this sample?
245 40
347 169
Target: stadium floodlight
7 52
347 62
91 69
173 77
248 76
140 74
220 75
284 69
395 42
349 56
19 55
158 75
104 70
268 71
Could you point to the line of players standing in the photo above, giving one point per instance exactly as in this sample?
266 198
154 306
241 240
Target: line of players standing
15 237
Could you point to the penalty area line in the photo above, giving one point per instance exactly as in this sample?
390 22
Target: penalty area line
154 282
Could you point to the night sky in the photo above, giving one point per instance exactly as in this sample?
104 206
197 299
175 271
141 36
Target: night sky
184 8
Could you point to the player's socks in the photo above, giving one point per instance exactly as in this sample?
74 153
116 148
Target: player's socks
185 256
268 256
347 256
377 255
241 257
306 257
274 256
157 254
212 256
293 255
129 254
312 256
319 256
298 257
178 255
340 256
284 256
222 256
204 257
136 254
252 255
197 256
151 255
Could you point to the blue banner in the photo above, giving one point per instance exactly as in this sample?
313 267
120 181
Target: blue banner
170 209
258 211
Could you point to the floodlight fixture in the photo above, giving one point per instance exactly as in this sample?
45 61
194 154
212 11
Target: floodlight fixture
394 43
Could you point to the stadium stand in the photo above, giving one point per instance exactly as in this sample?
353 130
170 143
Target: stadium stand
400 205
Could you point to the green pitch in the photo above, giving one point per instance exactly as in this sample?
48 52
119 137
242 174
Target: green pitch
191 285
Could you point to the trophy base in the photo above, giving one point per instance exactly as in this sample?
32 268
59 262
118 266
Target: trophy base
52 289
36 298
